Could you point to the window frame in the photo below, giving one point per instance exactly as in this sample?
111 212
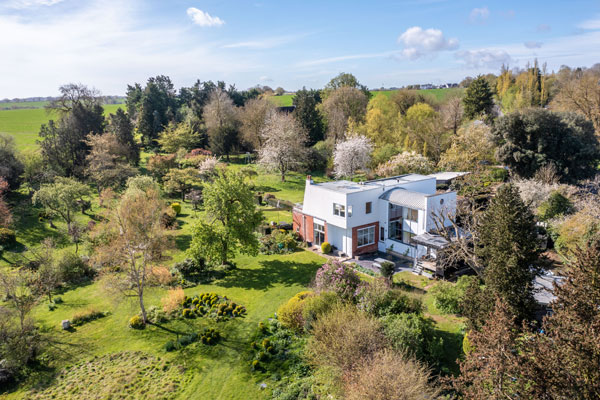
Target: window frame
368 207
339 210
410 213
365 234
410 236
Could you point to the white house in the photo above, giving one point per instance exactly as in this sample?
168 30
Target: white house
379 215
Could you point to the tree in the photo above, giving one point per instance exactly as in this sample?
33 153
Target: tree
452 113
220 117
107 161
308 114
279 91
424 131
252 117
73 95
6 217
155 108
562 362
159 165
341 105
232 217
405 99
35 171
47 276
532 139
119 124
470 146
578 91
491 370
62 198
508 246
284 144
181 180
64 145
479 99
11 166
407 162
179 136
133 239
382 121
351 155
344 79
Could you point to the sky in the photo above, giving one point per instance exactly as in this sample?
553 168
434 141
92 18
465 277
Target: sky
108 44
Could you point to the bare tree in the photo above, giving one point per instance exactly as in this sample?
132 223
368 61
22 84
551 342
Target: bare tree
284 144
342 104
452 113
73 94
253 117
220 111
579 91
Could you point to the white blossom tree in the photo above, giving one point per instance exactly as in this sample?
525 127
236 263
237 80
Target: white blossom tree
284 147
351 155
404 163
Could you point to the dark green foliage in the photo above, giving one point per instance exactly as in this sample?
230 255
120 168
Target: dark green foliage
498 174
387 270
211 305
155 108
222 140
479 99
119 124
555 206
448 297
72 269
344 79
210 336
7 237
508 248
534 138
308 115
279 242
192 270
11 167
414 334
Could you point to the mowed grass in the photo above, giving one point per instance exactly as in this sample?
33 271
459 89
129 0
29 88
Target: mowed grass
440 95
24 124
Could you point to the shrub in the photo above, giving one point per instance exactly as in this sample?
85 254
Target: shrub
86 316
555 206
7 237
390 375
317 305
342 337
498 174
187 313
210 336
339 278
279 242
73 269
291 313
156 315
136 322
405 162
191 269
413 334
169 218
172 301
160 276
171 345
387 270
176 207
379 299
448 297
325 248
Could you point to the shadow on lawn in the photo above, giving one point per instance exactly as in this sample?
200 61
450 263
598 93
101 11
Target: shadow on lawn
452 352
271 273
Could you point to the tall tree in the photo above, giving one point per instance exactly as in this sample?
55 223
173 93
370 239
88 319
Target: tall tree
179 136
382 122
344 79
308 114
471 145
452 113
11 166
73 95
479 99
220 117
231 218
341 105
424 131
532 139
108 161
119 124
284 144
157 106
252 117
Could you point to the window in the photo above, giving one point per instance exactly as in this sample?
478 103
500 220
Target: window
395 229
365 236
319 234
382 234
406 236
368 206
339 209
412 214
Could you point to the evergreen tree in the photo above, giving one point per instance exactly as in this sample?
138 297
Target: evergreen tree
307 114
508 247
120 125
479 99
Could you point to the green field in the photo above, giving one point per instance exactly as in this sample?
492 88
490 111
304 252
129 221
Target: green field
4 105
439 95
24 124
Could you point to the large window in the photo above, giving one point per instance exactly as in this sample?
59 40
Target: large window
395 229
412 214
368 207
319 234
406 236
339 209
365 236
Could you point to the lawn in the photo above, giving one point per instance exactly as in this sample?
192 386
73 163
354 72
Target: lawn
24 124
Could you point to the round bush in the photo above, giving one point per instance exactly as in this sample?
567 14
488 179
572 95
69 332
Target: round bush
326 248
7 237
136 322
176 207
290 313
339 278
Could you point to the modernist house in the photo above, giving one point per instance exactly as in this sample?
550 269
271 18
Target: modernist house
389 215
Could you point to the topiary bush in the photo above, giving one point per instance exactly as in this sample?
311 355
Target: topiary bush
325 248
176 207
210 336
136 322
211 305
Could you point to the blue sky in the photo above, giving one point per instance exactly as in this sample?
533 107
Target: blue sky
108 44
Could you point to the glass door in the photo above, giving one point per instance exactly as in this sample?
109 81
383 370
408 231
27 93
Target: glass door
319 234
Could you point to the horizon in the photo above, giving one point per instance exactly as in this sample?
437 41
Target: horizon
108 45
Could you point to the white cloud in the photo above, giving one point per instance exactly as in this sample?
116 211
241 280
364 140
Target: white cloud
543 28
264 43
329 60
488 58
265 78
203 18
479 15
419 42
531 44
19 4
590 24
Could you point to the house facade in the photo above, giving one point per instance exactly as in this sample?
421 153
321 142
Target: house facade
379 215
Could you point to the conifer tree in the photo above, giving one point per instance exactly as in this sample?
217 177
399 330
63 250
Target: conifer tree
479 100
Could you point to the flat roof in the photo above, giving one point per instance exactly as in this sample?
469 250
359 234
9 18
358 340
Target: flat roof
345 186
447 176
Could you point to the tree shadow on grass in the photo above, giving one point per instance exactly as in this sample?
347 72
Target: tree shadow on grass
265 188
452 352
183 241
270 273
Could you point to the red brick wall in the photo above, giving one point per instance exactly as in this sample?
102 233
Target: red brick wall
298 225
364 249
